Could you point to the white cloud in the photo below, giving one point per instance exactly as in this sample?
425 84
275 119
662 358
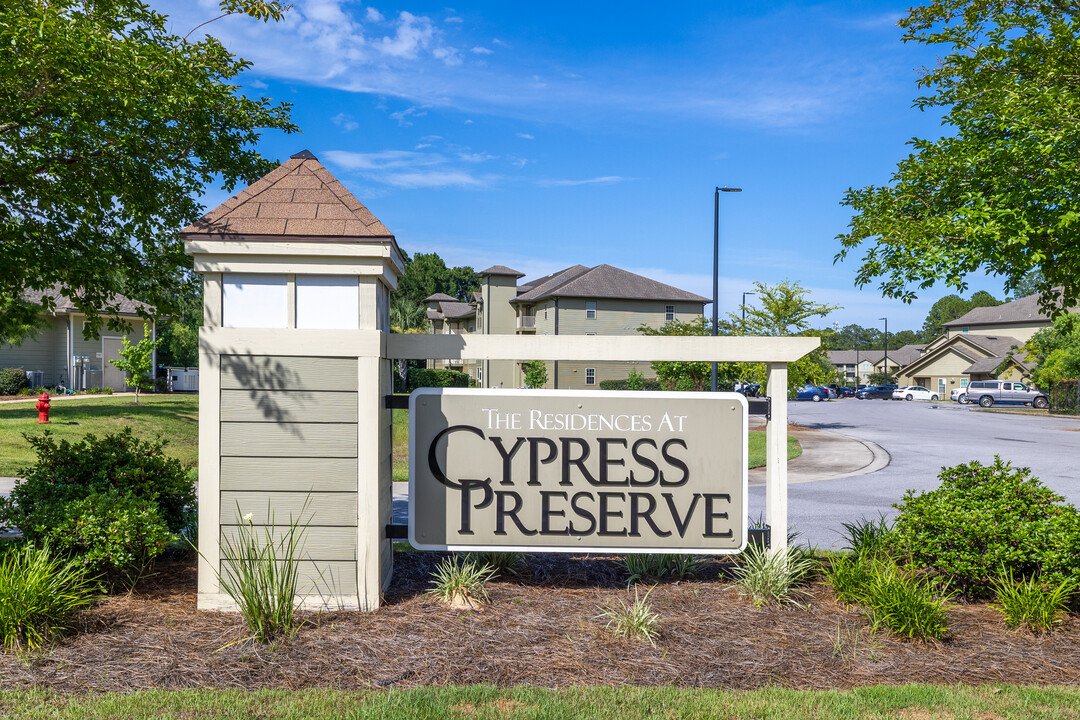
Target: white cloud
410 169
421 146
605 180
258 84
476 157
479 50
413 34
402 116
344 121
526 136
454 19
373 15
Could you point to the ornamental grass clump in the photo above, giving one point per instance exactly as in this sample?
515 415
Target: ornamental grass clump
867 538
905 602
261 575
461 582
656 566
984 520
501 563
1031 604
39 594
777 577
632 620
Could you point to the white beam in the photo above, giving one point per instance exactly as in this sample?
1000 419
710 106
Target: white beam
595 347
776 485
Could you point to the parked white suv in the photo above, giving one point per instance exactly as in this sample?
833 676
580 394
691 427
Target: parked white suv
988 392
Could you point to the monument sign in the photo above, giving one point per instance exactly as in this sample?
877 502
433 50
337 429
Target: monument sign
551 470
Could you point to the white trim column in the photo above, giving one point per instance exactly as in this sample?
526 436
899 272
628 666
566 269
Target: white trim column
776 482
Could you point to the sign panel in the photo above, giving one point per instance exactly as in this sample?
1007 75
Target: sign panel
571 471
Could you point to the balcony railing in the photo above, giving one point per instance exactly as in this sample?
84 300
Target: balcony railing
526 322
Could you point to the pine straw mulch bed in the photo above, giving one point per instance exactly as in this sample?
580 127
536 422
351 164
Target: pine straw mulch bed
541 629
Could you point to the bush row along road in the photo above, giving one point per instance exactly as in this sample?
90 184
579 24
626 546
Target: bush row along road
921 438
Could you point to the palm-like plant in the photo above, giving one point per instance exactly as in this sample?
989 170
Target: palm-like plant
407 316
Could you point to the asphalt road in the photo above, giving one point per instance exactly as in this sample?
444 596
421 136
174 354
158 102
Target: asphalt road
921 438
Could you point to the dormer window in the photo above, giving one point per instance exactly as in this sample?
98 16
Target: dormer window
590 310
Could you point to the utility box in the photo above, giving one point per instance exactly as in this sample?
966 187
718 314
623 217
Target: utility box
183 379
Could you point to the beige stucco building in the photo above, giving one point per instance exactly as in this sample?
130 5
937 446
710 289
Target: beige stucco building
62 353
592 301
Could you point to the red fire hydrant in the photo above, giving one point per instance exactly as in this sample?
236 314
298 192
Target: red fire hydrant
43 408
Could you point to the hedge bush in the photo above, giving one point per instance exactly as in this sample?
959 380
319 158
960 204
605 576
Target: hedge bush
621 385
12 380
983 521
111 501
427 377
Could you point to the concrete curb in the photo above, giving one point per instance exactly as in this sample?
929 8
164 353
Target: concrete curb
829 455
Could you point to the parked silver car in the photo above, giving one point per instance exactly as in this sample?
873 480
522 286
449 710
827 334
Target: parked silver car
989 392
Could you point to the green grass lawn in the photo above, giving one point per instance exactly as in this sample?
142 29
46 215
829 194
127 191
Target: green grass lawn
401 447
629 703
173 417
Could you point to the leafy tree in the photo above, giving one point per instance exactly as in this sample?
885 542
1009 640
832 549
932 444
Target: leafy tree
137 361
635 380
998 191
673 375
178 335
408 318
110 129
950 308
427 274
878 378
1028 285
898 340
781 310
1056 350
536 375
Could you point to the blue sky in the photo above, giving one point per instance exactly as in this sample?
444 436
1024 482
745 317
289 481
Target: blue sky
539 136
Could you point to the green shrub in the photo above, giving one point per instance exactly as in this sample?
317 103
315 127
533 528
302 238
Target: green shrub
116 481
653 566
624 385
261 575
39 592
906 603
115 536
1031 604
635 380
428 377
12 380
985 520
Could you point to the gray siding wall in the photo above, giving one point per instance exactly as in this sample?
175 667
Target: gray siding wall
46 352
289 453
613 317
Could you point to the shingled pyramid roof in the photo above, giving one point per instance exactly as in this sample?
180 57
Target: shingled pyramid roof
298 199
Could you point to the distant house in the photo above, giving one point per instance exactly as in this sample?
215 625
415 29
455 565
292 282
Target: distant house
62 354
602 301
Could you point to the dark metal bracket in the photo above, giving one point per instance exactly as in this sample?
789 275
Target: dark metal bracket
396 402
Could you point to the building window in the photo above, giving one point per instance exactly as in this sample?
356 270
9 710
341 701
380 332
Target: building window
545 313
669 313
590 310
590 376
964 382
479 373
965 329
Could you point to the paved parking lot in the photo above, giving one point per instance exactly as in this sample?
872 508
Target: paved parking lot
920 438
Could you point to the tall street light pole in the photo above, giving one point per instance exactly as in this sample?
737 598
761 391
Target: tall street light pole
744 307
886 349
716 267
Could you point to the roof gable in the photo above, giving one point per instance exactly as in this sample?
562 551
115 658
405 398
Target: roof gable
607 281
970 347
299 198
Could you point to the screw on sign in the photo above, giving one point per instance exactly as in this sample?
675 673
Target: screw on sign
43 408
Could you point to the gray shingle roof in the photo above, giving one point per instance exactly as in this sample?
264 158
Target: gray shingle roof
847 357
300 198
991 364
906 355
538 288
456 310
501 270
606 281
998 345
440 297
64 304
1025 309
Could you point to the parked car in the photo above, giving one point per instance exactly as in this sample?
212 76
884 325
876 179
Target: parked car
812 392
875 392
989 392
959 395
847 391
914 392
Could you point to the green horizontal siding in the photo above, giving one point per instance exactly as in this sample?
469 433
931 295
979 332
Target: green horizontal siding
289 406
289 440
264 372
285 474
320 578
315 543
317 509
